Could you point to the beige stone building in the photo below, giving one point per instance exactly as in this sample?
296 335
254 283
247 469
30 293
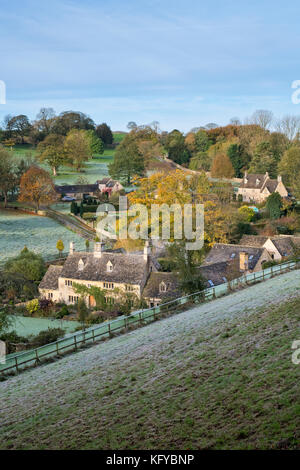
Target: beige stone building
257 187
224 261
278 246
109 270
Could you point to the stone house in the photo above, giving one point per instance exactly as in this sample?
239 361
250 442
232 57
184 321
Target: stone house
257 187
109 186
245 259
105 269
161 287
278 246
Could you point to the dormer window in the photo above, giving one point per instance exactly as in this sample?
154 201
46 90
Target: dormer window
80 265
109 267
257 181
162 287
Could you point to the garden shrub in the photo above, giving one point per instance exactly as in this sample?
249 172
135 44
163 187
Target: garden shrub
33 306
48 336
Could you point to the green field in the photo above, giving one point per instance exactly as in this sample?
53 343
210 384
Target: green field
218 376
95 169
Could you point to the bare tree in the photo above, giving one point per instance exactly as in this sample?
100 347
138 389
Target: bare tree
263 118
289 125
235 121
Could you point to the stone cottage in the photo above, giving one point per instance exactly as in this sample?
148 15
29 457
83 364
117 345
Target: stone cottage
257 187
105 269
278 246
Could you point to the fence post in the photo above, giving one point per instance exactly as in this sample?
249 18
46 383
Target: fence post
140 317
16 361
57 350
75 343
37 360
93 335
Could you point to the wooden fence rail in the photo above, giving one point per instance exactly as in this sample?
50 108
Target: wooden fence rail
73 342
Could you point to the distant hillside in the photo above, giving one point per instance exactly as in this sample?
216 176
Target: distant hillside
218 376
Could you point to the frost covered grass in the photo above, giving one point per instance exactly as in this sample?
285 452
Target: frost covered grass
39 234
218 376
26 326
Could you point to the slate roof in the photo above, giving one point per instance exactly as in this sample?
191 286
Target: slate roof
285 245
50 280
224 252
104 181
253 240
259 181
251 181
152 290
216 273
77 188
127 268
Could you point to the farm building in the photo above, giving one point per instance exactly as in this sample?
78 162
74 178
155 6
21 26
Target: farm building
77 191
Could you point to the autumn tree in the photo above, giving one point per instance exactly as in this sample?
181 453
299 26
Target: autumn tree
60 247
37 187
51 151
222 167
77 149
289 168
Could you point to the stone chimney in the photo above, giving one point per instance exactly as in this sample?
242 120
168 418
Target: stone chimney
279 179
98 249
244 261
147 250
72 248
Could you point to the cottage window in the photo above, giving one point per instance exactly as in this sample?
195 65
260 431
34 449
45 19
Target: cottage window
50 295
73 299
108 285
68 283
233 255
109 266
162 287
80 265
210 283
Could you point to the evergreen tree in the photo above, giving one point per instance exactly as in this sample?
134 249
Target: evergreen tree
104 133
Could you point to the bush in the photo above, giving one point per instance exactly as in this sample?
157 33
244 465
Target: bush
33 306
48 336
63 312
10 339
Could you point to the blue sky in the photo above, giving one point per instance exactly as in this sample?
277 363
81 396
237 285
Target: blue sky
182 63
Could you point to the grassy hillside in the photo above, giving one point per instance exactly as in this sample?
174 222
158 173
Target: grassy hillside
218 376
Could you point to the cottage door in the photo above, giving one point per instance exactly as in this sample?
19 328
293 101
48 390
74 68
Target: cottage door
92 301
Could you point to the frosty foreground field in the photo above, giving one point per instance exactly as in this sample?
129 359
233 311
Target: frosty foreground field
217 376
